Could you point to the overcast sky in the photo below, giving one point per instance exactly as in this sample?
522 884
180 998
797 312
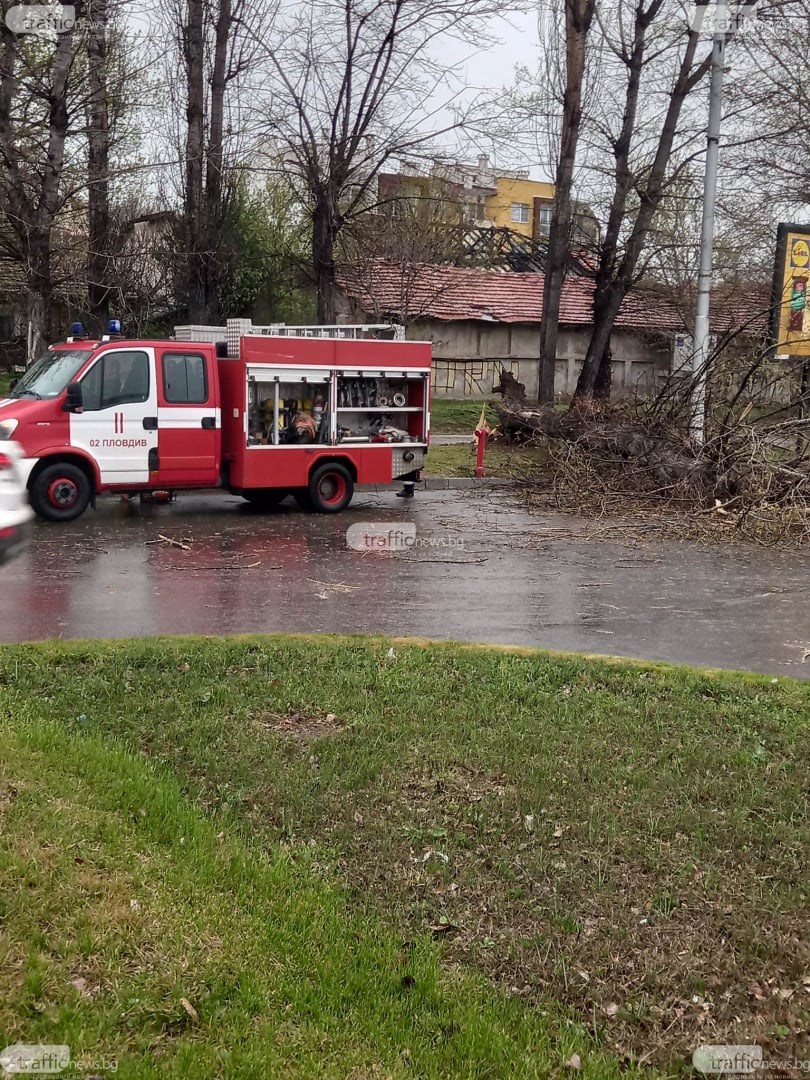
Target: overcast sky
514 42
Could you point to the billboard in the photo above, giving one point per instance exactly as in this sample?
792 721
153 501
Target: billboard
790 315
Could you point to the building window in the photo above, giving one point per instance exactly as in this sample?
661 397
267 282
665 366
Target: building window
520 213
544 221
474 212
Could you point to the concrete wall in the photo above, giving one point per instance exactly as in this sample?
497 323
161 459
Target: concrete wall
468 357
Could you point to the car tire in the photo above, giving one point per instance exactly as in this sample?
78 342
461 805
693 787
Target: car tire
60 492
331 488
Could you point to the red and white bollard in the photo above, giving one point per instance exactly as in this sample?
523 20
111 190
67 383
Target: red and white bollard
481 437
481 432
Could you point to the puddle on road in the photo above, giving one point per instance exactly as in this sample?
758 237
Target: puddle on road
223 568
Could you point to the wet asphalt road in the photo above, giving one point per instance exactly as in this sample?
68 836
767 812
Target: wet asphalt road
501 576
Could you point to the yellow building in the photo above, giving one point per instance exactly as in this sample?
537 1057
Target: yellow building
481 196
521 205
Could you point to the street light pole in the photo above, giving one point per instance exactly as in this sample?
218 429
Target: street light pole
700 354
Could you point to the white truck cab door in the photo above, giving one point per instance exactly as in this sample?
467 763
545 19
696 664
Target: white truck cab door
118 424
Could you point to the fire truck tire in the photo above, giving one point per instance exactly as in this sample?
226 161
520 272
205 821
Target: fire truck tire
331 488
60 492
265 498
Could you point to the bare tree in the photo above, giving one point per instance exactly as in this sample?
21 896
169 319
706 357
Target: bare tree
769 148
354 84
639 185
396 250
35 88
578 18
216 45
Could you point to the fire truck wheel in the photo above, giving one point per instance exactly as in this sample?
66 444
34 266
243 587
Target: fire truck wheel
331 488
60 492
265 498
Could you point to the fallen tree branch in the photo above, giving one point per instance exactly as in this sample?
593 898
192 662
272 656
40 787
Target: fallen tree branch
637 458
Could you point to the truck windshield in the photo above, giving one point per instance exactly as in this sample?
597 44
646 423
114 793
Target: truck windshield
49 376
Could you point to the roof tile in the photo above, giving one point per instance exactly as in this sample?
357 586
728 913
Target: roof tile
451 293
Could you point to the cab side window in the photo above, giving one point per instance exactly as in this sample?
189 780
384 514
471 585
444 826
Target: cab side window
117 378
185 380
91 388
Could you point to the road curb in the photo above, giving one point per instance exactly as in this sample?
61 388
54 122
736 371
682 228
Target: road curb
447 483
450 440
459 483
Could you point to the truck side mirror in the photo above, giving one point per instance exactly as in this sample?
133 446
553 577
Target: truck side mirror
74 401
12 384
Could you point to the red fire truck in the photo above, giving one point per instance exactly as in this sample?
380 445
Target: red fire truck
262 413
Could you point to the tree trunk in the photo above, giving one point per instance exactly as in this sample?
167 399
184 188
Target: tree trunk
578 17
604 376
323 261
215 160
596 368
194 60
40 297
99 276
556 264
39 237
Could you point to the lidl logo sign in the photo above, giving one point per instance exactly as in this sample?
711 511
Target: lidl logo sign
799 254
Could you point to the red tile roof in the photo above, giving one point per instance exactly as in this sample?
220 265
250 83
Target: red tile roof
451 293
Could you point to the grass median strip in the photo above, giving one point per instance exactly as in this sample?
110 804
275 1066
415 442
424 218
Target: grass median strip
627 841
147 941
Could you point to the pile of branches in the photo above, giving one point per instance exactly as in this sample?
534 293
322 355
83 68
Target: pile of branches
750 478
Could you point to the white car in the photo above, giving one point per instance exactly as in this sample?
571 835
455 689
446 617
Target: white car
15 513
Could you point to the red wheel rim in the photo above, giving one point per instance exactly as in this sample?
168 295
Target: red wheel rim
63 493
331 488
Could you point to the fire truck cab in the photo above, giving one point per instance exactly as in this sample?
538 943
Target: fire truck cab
261 413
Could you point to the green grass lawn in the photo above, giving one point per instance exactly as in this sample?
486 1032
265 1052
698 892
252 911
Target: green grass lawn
452 417
5 381
449 861
511 462
449 417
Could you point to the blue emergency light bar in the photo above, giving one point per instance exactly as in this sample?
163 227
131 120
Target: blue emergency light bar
76 329
115 326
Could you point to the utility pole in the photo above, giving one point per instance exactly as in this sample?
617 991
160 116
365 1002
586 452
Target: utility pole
700 355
